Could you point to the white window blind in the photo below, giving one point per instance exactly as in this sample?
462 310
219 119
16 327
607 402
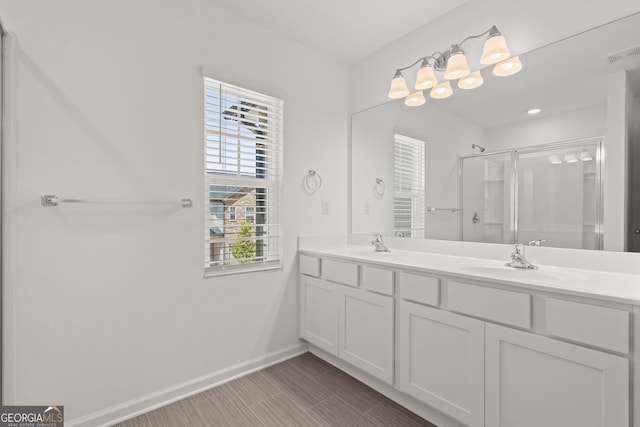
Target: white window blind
243 175
409 168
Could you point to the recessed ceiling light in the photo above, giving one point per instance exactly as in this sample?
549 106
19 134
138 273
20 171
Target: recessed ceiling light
533 111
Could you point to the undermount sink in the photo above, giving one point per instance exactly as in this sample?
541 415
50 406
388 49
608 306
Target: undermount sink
514 273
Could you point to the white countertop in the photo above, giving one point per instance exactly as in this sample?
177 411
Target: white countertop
610 286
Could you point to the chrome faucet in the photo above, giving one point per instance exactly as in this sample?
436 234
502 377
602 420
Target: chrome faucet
518 260
536 242
378 244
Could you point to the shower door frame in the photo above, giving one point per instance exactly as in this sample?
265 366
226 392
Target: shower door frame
514 199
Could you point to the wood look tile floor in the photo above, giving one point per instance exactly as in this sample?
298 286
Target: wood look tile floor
303 391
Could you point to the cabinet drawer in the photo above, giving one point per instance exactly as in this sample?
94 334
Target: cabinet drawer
340 272
599 326
310 265
421 289
511 308
377 280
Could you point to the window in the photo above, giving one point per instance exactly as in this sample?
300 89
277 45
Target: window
409 167
250 214
243 170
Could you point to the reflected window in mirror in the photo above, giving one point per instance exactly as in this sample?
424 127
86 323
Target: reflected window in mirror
409 188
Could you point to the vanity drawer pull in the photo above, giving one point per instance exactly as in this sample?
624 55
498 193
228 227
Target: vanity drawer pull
590 324
420 289
310 265
340 272
377 280
508 307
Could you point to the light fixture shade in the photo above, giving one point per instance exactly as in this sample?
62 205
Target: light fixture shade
554 160
457 66
495 50
415 99
508 67
398 87
426 78
441 91
471 80
585 156
570 158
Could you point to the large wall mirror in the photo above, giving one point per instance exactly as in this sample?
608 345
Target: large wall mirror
407 163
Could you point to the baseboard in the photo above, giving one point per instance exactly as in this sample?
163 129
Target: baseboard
138 406
432 415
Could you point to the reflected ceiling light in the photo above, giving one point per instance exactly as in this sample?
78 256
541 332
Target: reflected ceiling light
585 156
398 87
508 67
534 111
415 99
554 160
471 80
426 78
570 158
453 64
441 91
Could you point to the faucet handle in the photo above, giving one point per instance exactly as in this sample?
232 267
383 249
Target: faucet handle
536 242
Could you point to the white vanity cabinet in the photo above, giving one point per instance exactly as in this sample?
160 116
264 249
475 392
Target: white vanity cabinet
319 313
485 353
534 381
348 311
441 358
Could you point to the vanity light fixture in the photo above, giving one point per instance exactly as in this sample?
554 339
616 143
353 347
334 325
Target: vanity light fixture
453 64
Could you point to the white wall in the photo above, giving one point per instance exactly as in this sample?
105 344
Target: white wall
106 304
446 135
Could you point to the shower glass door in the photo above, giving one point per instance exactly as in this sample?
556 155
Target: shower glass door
487 198
559 196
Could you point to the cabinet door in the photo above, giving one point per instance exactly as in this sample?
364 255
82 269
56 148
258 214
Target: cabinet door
534 381
442 361
319 313
366 332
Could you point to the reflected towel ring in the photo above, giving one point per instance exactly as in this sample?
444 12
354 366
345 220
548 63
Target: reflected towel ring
379 188
312 181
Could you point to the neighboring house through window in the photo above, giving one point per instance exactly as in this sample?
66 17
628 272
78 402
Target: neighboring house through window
243 173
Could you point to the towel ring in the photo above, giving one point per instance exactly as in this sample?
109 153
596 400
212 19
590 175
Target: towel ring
379 188
312 181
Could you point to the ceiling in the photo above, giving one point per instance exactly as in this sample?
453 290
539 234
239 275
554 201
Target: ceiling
343 29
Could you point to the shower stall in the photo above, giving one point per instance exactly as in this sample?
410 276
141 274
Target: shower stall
548 194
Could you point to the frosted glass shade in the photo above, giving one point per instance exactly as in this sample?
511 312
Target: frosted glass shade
508 67
495 50
443 90
471 80
457 66
398 88
415 99
426 78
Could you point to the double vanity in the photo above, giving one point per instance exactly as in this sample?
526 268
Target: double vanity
446 329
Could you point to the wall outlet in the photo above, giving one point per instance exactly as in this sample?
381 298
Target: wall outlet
325 207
